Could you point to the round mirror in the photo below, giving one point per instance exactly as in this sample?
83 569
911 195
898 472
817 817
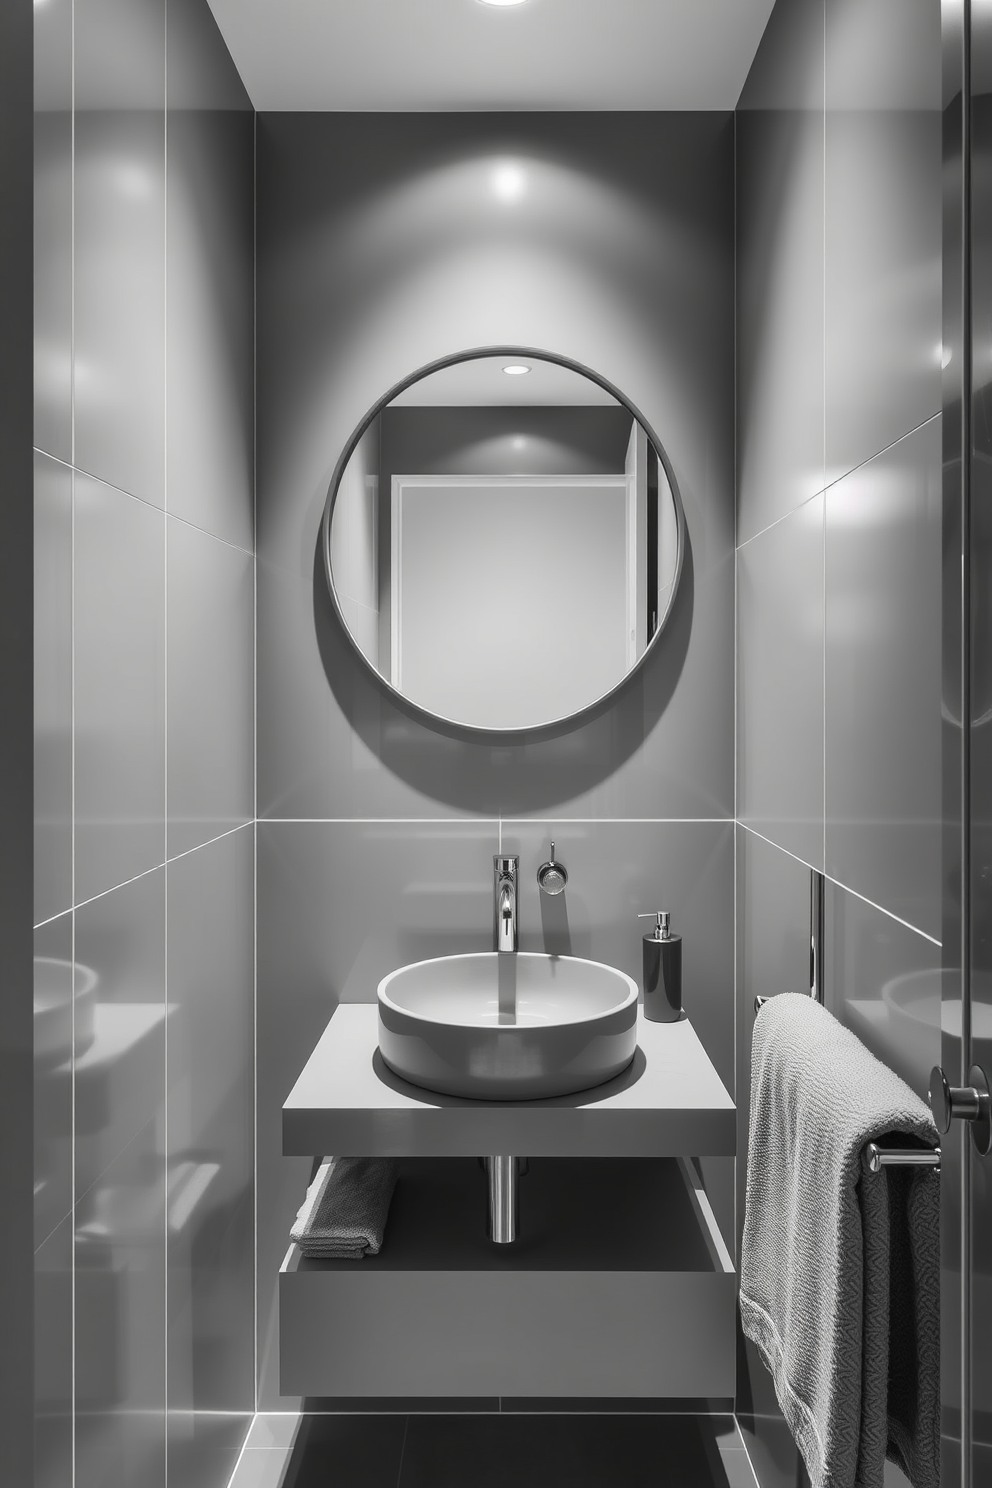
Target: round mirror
503 540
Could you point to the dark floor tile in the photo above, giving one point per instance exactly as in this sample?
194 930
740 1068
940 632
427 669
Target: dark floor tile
356 1449
558 1451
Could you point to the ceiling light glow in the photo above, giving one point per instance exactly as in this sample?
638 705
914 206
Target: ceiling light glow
509 181
516 369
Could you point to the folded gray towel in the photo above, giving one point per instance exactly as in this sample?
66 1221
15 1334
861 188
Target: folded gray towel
840 1267
344 1214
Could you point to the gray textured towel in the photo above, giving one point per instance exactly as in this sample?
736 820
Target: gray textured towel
840 1267
344 1214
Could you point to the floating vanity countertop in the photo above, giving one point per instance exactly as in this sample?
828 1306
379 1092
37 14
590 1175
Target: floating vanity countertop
669 1102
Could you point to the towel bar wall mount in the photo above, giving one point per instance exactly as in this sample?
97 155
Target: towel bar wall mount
971 1103
817 925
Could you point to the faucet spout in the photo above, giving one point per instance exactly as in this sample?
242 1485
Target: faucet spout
505 903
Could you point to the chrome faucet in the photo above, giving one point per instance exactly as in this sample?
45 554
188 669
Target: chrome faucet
505 903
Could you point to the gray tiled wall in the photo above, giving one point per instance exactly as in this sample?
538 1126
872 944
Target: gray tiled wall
380 247
144 743
838 568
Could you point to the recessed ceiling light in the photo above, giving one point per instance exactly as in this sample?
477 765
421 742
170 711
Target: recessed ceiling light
516 369
502 2
509 182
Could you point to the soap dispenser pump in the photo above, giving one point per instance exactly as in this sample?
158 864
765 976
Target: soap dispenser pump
662 961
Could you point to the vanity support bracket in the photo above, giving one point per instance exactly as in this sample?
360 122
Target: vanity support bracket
504 1187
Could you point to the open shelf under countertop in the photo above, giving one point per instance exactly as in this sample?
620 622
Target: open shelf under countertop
669 1102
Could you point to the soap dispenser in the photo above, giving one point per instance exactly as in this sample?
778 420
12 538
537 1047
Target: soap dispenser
662 981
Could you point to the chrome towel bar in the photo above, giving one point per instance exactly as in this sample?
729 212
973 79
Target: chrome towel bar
901 1157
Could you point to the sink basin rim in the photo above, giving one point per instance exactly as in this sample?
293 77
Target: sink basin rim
382 995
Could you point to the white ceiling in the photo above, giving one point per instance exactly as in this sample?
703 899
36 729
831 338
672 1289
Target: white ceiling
483 383
408 55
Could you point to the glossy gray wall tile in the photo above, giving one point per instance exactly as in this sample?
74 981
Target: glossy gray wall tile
120 1321
53 1359
884 982
210 272
121 1190
210 1131
52 688
53 228
358 212
780 682
882 308
883 679
780 270
839 673
120 1077
119 247
210 705
102 596
53 1049
119 669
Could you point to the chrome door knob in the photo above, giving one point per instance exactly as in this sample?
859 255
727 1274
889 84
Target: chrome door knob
963 1103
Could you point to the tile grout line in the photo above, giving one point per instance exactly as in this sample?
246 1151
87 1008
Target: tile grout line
478 821
823 457
845 475
72 724
736 990
165 723
838 884
126 883
130 495
254 683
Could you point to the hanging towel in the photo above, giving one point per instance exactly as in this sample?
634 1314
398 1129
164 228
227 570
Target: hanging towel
840 1267
344 1214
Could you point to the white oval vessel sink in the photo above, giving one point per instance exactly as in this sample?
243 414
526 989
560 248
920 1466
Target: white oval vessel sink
507 1026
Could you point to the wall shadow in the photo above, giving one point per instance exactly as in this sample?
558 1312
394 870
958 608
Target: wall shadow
505 774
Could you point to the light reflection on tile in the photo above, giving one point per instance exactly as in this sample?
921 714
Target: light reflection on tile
52 688
53 1359
119 249
210 362
53 1048
119 666
883 226
883 672
781 270
53 228
211 1075
120 1320
210 687
120 1079
780 682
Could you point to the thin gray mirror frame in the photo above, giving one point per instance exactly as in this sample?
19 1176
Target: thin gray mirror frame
472 355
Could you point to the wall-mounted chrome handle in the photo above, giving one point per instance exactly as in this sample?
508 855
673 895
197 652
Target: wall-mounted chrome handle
971 1103
552 876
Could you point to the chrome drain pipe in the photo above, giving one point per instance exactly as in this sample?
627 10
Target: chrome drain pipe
504 1188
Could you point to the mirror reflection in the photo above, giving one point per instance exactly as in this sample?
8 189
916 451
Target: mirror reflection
503 544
